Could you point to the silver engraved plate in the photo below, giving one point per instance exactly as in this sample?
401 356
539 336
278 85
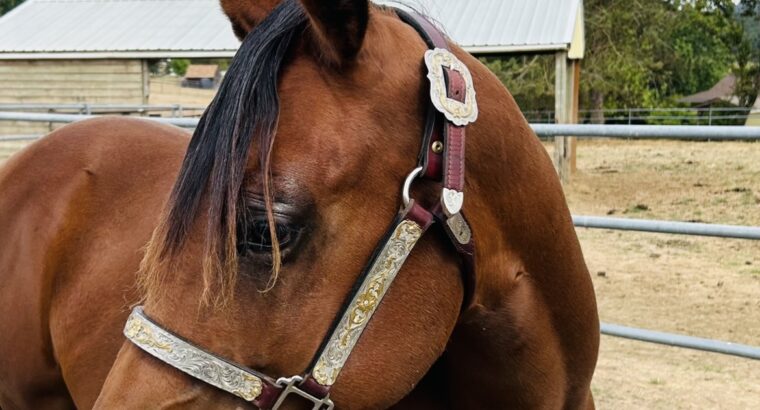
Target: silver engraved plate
460 113
183 356
459 229
452 201
366 300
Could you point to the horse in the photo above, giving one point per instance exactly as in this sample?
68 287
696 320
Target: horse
242 241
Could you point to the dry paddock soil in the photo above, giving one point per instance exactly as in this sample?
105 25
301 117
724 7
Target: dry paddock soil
697 286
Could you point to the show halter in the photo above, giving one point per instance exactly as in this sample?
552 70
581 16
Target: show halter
442 158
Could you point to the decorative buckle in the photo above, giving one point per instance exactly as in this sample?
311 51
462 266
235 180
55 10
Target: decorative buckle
290 386
459 113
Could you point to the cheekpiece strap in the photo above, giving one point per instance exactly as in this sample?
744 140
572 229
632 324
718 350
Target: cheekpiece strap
377 278
442 155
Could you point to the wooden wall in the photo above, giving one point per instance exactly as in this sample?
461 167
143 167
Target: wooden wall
68 82
168 90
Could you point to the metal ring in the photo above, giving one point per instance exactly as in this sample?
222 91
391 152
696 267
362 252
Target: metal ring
408 185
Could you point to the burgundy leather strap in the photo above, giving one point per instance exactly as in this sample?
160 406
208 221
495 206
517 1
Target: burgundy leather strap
448 167
420 215
311 386
269 394
429 32
454 136
453 158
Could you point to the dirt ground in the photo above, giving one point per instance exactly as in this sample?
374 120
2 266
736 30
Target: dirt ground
697 286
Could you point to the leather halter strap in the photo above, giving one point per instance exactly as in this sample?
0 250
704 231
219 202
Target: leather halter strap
448 166
452 107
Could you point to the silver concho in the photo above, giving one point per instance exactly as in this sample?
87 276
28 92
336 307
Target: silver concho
457 112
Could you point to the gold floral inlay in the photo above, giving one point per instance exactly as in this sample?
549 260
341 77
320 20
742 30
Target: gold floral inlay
183 356
366 301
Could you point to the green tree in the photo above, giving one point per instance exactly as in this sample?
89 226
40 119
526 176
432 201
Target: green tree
645 53
179 66
649 52
7 5
747 69
530 79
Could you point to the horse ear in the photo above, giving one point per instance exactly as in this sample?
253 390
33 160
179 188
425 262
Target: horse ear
246 14
338 27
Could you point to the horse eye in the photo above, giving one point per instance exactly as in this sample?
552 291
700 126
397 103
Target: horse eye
254 236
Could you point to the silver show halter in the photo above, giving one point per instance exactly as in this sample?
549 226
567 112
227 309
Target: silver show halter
441 159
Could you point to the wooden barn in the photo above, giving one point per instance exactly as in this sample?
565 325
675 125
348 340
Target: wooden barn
102 51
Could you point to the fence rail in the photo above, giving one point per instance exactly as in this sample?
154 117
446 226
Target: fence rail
555 130
692 132
690 342
69 118
544 130
86 108
684 115
672 227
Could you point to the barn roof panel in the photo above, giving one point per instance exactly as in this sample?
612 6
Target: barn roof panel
196 28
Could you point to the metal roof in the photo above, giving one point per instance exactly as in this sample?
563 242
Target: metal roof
504 26
46 29
116 28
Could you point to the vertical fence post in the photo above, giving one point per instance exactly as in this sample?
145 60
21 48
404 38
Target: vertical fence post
565 112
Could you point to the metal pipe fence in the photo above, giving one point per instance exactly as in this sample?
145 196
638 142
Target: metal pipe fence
690 342
542 130
691 132
13 138
671 227
593 131
177 110
683 115
69 118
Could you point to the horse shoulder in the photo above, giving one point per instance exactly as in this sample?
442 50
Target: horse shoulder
72 221
530 339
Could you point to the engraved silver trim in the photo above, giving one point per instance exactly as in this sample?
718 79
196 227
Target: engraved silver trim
365 302
459 229
459 113
452 201
189 359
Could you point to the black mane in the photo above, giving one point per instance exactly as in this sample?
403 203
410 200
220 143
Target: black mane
245 108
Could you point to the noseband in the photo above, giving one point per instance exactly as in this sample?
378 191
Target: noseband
441 159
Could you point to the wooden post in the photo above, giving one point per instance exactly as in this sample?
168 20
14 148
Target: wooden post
566 96
145 83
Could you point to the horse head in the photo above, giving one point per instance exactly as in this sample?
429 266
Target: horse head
291 180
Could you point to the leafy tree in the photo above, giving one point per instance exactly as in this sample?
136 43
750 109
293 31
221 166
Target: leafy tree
530 79
747 68
7 5
179 66
648 53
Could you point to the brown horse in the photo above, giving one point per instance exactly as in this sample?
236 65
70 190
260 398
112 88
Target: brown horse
252 252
